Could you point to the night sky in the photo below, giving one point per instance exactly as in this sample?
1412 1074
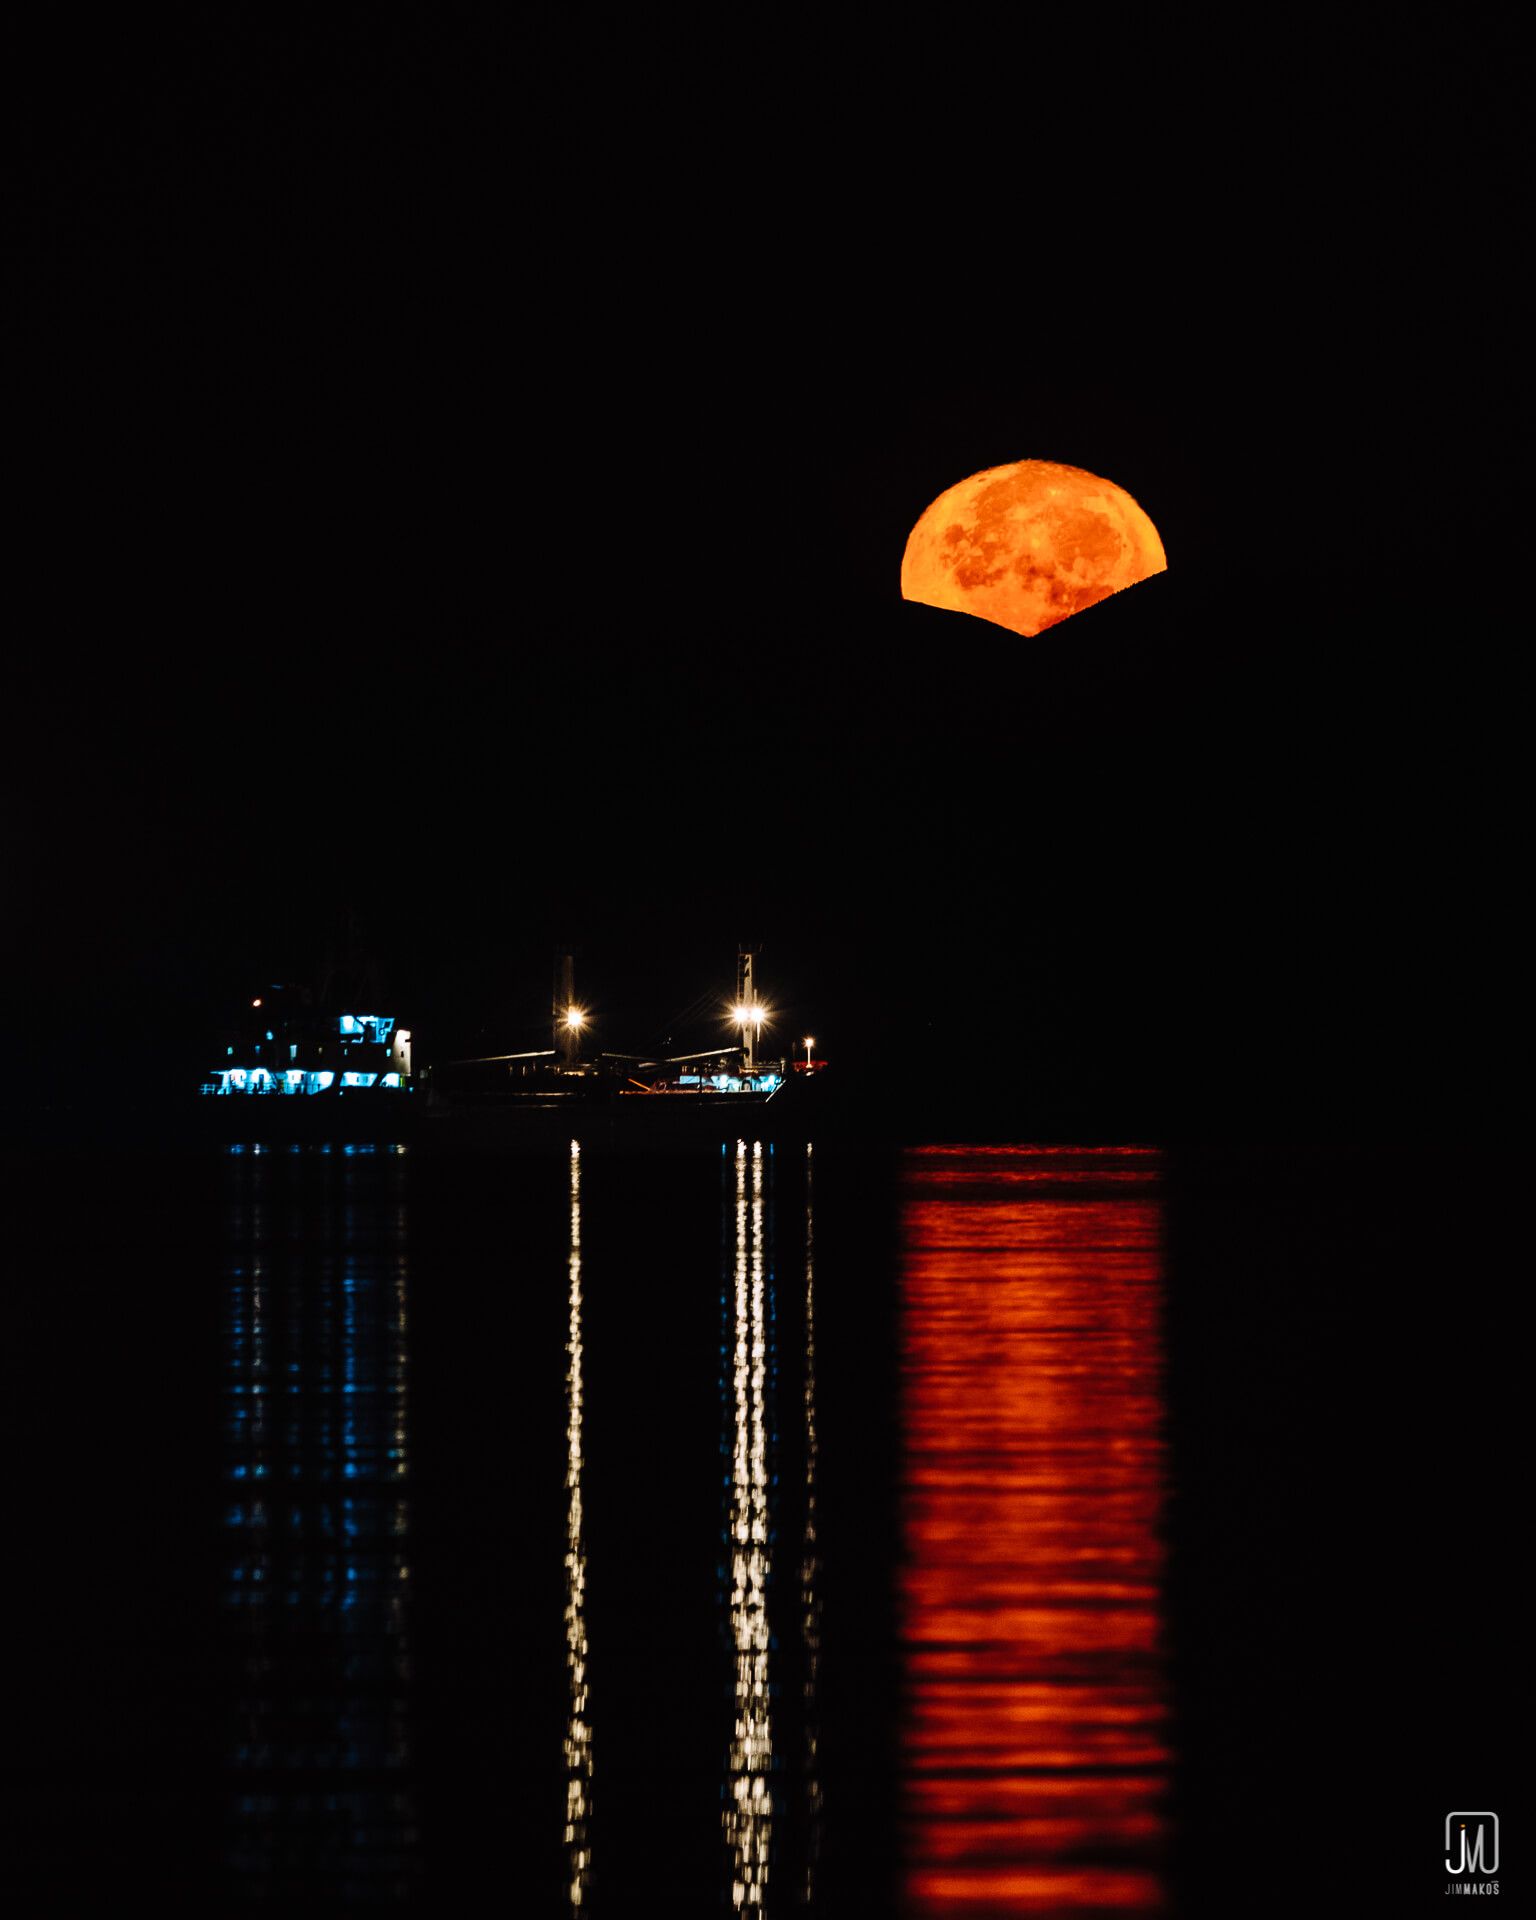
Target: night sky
463 479
459 472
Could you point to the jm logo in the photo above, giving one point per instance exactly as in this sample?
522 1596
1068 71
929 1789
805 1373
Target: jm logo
1466 1840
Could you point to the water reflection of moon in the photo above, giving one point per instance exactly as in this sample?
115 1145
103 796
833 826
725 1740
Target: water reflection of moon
1028 545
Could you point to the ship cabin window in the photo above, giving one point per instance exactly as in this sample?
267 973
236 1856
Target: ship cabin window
370 1028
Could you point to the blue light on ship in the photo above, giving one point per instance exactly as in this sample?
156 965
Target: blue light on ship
345 1042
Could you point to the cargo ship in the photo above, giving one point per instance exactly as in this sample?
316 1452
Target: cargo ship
569 1088
293 1069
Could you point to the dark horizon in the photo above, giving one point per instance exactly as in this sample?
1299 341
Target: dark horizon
1164 869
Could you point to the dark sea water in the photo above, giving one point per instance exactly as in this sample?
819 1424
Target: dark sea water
766 1528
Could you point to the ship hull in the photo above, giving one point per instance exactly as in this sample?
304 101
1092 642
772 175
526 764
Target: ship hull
358 1114
433 1121
618 1120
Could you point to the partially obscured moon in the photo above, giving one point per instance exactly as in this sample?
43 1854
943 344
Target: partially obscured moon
1029 544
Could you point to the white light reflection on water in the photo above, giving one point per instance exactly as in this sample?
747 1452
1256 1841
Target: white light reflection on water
748 1813
578 1733
810 1559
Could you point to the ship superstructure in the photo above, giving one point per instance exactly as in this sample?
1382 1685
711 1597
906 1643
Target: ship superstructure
283 1045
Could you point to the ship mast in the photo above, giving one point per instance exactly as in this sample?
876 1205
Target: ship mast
749 1014
566 1017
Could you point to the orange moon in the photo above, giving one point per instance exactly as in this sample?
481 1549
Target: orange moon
1028 545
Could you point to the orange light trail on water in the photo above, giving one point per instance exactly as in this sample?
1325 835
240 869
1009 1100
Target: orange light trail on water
1035 1748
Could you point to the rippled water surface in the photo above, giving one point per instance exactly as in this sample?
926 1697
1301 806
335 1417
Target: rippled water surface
755 1529
317 1528
1036 1746
762 1529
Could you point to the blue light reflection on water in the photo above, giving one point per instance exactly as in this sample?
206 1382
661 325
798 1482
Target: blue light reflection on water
317 1525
